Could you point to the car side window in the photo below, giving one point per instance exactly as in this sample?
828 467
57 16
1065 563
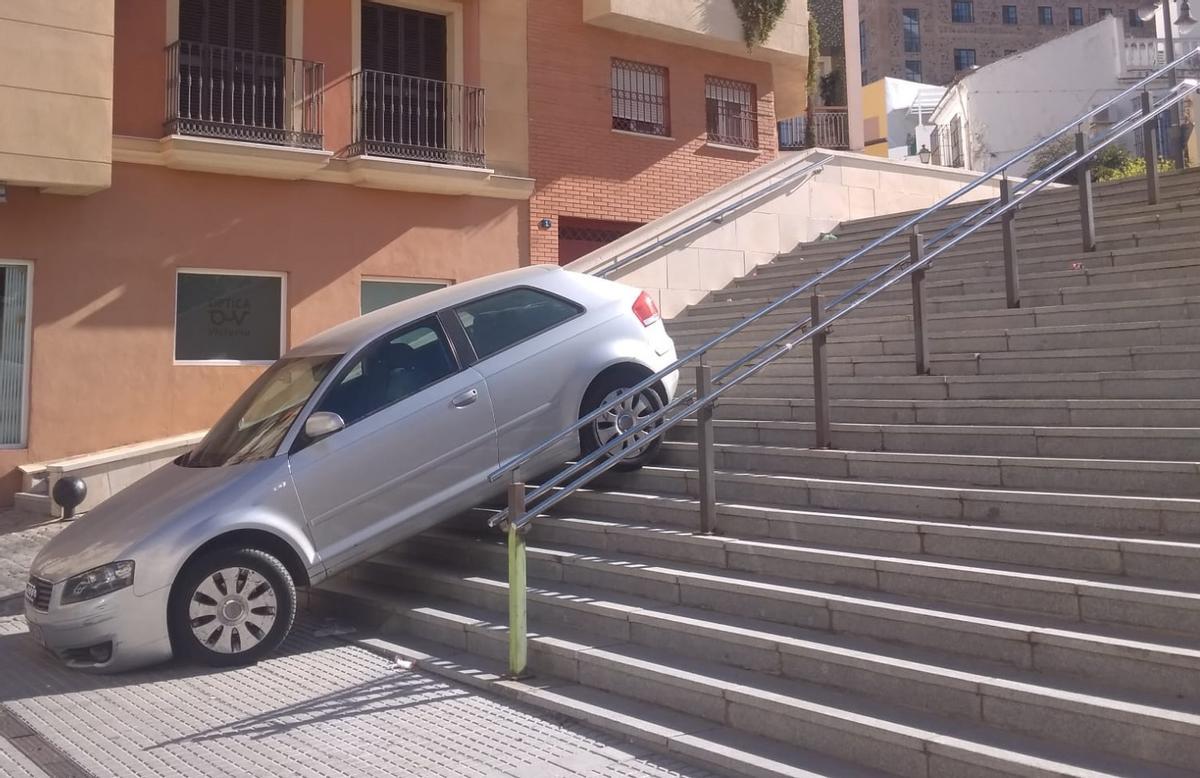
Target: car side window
391 369
494 323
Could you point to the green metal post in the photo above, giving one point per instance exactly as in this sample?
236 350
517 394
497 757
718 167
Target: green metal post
518 647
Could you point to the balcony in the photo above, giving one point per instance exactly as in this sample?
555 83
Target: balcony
419 119
239 95
831 129
705 24
1143 56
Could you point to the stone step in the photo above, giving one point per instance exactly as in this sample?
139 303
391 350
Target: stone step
910 684
1057 511
1096 476
1024 340
986 258
797 363
1121 385
1036 239
34 503
983 254
1093 652
977 413
1065 217
1072 597
1064 202
720 748
625 516
1147 444
870 323
899 741
897 299
1147 263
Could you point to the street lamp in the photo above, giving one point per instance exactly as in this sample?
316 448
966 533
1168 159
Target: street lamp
925 154
1185 23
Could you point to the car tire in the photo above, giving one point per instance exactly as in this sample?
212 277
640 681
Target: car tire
605 428
230 607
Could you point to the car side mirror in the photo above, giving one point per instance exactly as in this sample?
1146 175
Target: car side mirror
323 424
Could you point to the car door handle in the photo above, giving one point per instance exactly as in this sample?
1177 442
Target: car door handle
465 399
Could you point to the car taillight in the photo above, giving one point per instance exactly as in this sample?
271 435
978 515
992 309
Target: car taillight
645 309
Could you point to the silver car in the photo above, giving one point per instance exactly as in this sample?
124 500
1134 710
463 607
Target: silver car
368 433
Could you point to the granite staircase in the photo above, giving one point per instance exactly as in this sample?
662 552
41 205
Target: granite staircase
994 572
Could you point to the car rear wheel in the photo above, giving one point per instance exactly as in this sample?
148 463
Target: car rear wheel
630 410
231 607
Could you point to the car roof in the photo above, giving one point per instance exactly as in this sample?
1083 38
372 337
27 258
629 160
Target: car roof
355 333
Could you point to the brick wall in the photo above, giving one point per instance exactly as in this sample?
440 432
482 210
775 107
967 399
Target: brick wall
585 169
987 35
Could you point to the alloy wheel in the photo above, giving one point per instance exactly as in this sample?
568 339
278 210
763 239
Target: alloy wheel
624 416
232 610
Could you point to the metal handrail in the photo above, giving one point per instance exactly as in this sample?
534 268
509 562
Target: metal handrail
591 466
791 178
659 419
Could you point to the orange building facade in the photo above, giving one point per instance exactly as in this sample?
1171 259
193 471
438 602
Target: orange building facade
194 186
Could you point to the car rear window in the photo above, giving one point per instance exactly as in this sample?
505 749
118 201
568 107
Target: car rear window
494 323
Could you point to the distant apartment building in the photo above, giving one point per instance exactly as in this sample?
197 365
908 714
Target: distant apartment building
934 41
188 188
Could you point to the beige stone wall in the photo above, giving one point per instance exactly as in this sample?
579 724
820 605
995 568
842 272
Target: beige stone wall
503 57
56 86
851 186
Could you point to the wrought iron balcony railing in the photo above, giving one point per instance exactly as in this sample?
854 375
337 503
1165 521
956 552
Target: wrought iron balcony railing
235 94
417 118
831 128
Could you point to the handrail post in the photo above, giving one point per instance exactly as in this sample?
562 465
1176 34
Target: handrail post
705 452
1008 236
1087 216
1150 147
822 426
518 634
916 253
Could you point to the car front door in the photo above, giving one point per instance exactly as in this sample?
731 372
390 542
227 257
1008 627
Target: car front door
419 441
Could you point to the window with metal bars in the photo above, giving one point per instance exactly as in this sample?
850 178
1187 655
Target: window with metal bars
578 237
964 59
1075 16
962 11
639 98
912 70
1045 15
732 116
912 30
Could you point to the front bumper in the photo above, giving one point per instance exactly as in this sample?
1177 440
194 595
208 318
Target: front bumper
133 627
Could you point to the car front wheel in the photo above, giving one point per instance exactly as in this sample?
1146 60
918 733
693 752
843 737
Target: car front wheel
231 607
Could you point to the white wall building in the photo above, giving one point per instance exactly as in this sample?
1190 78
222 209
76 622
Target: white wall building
990 114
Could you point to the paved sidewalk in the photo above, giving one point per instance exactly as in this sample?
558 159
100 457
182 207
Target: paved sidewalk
21 535
321 708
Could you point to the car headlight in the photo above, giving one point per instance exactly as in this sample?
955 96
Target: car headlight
97 582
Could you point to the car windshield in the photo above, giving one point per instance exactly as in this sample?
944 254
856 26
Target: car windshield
257 422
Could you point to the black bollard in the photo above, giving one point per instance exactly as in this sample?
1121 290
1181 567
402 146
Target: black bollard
70 494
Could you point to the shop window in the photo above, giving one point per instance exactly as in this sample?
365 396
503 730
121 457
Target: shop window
376 293
224 316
